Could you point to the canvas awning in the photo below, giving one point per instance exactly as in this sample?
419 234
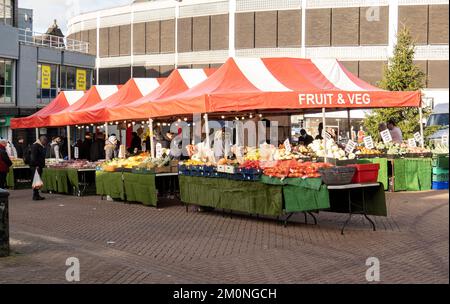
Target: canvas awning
41 118
179 80
296 84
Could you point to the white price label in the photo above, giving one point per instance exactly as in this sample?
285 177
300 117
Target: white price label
287 145
326 135
351 145
412 143
386 136
76 153
418 137
368 142
158 150
444 139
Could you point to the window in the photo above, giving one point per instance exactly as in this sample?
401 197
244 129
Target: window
68 78
6 81
47 82
6 12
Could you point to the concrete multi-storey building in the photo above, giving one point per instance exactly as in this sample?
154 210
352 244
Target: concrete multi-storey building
24 59
151 38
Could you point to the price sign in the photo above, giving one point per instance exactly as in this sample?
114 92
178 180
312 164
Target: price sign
444 139
386 136
326 135
287 145
418 137
158 150
412 143
351 145
368 142
76 153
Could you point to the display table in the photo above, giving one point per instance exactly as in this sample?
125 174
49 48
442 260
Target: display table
411 174
383 175
243 196
82 181
353 206
19 177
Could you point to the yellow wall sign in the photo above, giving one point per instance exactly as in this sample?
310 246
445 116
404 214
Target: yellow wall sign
46 77
81 80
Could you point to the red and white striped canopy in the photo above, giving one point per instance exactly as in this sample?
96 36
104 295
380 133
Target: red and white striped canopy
132 90
92 97
244 84
178 81
42 117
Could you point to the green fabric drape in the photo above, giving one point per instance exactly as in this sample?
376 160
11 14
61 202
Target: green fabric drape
382 173
10 181
110 183
301 194
140 188
55 180
72 177
244 196
412 174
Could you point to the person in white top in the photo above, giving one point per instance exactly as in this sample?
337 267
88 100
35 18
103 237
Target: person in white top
395 131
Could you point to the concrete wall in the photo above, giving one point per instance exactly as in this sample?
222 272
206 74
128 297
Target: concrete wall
9 42
26 81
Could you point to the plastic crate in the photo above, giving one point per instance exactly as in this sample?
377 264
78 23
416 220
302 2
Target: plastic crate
337 175
440 161
440 177
440 171
251 177
365 173
439 185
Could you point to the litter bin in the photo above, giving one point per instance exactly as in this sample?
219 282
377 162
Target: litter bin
4 223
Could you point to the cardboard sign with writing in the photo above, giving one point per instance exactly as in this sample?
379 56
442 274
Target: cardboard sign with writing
368 142
444 139
412 143
386 136
287 145
158 150
418 137
351 145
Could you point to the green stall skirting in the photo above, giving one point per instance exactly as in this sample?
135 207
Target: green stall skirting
412 174
244 196
140 188
55 180
110 183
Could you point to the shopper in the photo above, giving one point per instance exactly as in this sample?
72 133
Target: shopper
54 149
320 129
111 148
395 131
135 143
98 147
21 147
305 139
85 149
382 126
11 150
5 163
37 161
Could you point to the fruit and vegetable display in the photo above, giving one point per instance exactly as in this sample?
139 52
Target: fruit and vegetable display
142 161
17 162
73 164
296 169
440 149
332 150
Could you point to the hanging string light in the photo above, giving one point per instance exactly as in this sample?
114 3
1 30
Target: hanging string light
250 116
223 117
185 119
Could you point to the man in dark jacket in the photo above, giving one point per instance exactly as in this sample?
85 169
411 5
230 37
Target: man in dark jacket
20 146
37 162
98 147
85 149
5 163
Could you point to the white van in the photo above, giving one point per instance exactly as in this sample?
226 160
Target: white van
439 117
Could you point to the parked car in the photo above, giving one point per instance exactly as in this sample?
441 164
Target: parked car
439 117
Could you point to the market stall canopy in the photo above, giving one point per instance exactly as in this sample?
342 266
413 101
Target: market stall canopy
179 80
133 89
41 118
296 84
92 97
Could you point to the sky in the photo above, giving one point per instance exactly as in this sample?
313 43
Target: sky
45 11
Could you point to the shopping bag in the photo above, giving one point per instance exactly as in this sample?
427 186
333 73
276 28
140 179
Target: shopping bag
37 181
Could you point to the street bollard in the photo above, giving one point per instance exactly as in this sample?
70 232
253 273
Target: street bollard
4 223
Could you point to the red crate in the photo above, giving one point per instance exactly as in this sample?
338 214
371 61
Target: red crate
365 173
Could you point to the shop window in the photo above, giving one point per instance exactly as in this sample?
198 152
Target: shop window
6 12
6 81
68 78
47 81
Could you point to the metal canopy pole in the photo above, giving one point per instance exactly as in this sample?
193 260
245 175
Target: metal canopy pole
349 124
37 133
106 130
422 144
152 145
69 150
324 131
207 130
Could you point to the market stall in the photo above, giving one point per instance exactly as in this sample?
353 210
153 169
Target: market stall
19 175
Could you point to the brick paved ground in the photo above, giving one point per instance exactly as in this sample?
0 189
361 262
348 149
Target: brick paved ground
123 243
